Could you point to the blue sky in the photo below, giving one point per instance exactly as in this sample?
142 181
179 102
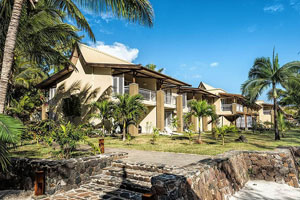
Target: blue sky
215 41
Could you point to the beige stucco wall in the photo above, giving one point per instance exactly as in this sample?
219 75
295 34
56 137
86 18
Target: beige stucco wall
264 118
96 77
151 118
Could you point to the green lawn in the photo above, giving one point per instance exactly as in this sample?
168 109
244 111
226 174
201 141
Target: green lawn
256 141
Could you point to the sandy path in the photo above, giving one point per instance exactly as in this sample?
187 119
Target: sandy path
259 190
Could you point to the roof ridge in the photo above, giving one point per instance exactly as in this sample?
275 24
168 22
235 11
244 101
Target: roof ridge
97 50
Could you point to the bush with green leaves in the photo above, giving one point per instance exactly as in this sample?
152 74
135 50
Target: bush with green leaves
10 132
155 135
189 132
67 137
222 131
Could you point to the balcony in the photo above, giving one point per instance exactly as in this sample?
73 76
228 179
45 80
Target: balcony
170 100
148 95
267 112
226 107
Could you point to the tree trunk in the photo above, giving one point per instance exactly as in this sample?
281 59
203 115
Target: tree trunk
199 128
277 136
124 131
8 54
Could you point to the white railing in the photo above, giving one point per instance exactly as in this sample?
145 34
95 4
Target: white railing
170 100
226 107
239 108
148 95
267 112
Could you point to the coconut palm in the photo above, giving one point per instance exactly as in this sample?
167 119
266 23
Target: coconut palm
10 132
201 109
153 67
133 10
105 111
265 74
129 110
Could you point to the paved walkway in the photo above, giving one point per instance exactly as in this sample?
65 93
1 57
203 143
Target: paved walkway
154 157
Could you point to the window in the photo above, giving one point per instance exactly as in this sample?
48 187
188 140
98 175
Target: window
52 92
118 84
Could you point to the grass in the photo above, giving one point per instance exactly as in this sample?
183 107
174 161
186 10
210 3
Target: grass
178 144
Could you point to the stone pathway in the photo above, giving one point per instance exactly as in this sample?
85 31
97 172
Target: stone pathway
155 157
123 180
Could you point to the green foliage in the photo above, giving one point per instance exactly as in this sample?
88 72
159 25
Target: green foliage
10 132
66 136
222 131
155 135
104 112
201 109
266 73
71 106
189 132
129 110
153 67
175 122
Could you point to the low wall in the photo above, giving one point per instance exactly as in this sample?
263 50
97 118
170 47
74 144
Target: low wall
225 174
59 175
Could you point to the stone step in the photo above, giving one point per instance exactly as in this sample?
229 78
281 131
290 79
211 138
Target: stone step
112 193
119 182
130 173
143 167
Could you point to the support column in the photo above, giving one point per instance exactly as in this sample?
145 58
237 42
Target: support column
133 90
179 110
160 110
44 113
234 108
204 123
194 119
246 121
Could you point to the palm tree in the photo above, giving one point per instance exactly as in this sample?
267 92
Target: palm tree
133 10
10 132
266 73
201 109
129 110
153 67
105 113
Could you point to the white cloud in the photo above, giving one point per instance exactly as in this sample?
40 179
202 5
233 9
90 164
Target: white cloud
107 16
274 8
214 64
118 49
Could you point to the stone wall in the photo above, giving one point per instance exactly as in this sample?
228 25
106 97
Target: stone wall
219 177
59 175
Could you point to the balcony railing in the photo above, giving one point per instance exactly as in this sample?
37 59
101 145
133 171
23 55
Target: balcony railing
226 107
267 112
170 100
148 95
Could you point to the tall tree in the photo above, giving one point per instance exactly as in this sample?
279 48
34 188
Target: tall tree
133 10
201 109
266 73
105 111
153 67
129 110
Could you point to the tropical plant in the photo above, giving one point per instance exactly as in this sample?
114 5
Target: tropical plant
201 109
105 112
175 122
133 10
222 131
189 132
153 67
282 125
10 132
266 73
129 110
155 135
214 121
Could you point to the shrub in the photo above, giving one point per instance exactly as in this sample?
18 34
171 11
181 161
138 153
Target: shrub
155 135
222 131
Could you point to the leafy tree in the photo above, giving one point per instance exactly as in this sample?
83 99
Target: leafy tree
201 109
222 131
10 132
266 73
282 125
132 10
153 67
105 112
129 110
